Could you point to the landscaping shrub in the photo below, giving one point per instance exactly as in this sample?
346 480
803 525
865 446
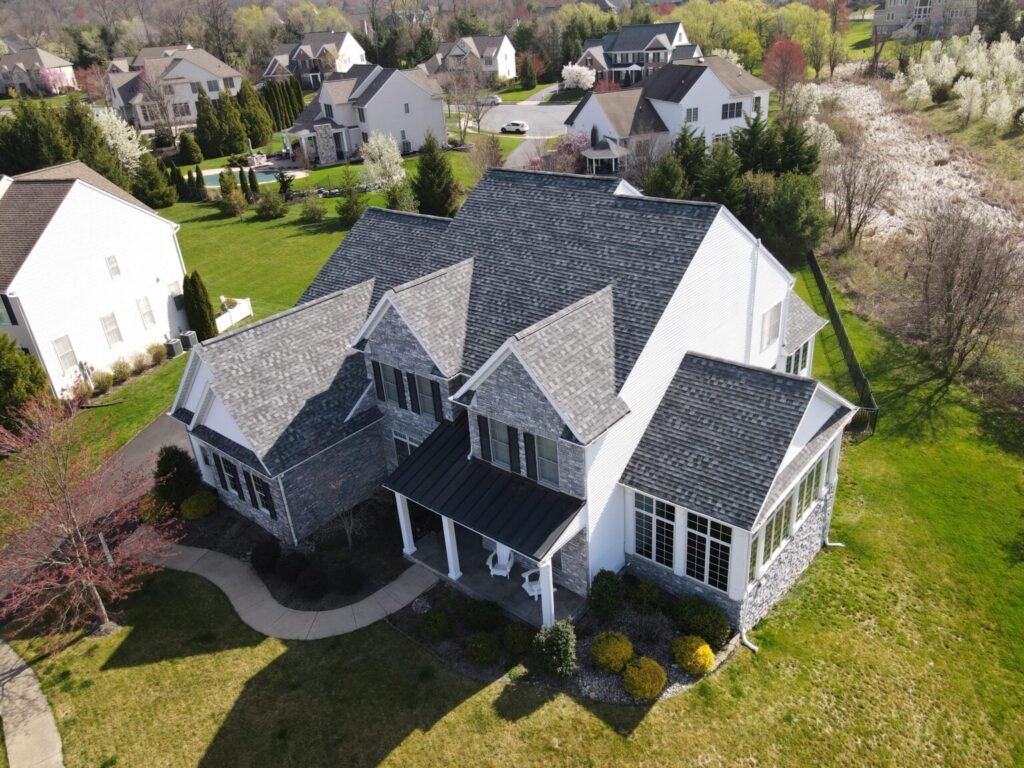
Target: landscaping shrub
290 565
607 594
646 597
199 505
82 390
517 638
482 648
644 678
176 476
271 205
941 93
234 203
483 616
435 625
693 654
152 508
612 651
556 647
102 381
312 582
313 210
157 353
265 555
349 579
140 363
694 616
121 370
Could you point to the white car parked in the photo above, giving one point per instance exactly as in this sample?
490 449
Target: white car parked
516 126
491 100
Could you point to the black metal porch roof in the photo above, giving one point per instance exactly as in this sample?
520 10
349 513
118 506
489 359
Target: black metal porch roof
511 509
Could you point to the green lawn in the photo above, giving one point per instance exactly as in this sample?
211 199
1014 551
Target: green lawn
901 649
858 40
1003 154
513 94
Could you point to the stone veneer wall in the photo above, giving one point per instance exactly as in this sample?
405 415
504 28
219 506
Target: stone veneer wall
683 586
325 144
574 557
792 560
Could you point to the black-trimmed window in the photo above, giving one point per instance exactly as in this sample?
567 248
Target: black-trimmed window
654 529
547 460
425 397
234 482
392 379
731 110
797 362
207 457
501 448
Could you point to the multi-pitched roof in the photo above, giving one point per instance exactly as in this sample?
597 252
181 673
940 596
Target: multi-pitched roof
719 438
30 201
475 46
291 381
636 37
311 44
628 111
30 59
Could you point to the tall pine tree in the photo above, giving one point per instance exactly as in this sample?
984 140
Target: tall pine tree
243 184
755 147
89 145
254 185
209 133
32 138
233 136
150 184
434 184
200 189
258 125
720 180
198 307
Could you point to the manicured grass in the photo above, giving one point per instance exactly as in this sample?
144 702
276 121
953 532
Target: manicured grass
901 649
513 94
858 40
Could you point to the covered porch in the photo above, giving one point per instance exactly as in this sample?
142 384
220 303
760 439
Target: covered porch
605 157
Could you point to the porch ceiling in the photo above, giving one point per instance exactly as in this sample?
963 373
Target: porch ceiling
508 508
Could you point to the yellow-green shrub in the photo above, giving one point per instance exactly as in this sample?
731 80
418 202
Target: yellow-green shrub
612 651
644 678
199 505
693 654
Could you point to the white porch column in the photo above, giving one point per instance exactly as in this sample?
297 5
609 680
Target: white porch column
451 547
547 594
405 523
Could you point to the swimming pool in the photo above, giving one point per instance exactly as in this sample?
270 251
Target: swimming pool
212 178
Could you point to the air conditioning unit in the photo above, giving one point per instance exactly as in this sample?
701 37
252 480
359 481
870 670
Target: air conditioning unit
173 348
406 147
188 339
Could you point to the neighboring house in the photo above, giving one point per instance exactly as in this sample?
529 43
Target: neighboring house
161 85
318 54
607 392
11 41
924 18
495 54
404 103
88 274
709 95
35 72
629 54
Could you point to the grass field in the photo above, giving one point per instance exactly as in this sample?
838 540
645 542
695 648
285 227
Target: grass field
513 94
900 649
858 40
1003 154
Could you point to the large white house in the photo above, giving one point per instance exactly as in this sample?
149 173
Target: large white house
316 55
709 95
406 104
608 391
88 274
35 71
629 54
494 53
160 86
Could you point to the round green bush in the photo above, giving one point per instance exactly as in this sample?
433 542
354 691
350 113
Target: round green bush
199 505
607 594
265 555
647 597
176 476
694 616
271 205
517 638
693 654
483 616
121 370
482 648
644 678
102 381
290 565
612 651
556 648
435 625
313 210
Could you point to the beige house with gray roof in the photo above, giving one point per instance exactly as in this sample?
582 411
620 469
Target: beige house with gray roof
36 72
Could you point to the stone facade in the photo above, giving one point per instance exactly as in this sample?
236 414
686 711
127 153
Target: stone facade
791 561
572 572
683 586
334 480
325 144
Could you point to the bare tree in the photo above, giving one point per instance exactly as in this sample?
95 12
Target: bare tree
486 154
464 89
971 278
856 185
158 100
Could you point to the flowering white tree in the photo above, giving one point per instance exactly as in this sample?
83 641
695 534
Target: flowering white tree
578 77
382 161
919 92
999 111
125 140
972 98
822 136
804 101
728 55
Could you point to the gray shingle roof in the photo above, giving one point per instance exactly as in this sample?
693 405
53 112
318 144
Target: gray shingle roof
801 323
628 111
290 381
718 438
32 58
636 37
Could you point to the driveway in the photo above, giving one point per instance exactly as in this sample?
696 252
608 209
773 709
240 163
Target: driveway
545 120
141 450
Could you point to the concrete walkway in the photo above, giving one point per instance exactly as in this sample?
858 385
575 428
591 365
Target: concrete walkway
30 732
255 605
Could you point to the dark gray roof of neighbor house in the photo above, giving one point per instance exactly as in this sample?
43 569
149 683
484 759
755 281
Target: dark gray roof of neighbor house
635 37
523 272
290 381
373 86
801 323
572 356
719 437
682 52
673 81
31 201
511 509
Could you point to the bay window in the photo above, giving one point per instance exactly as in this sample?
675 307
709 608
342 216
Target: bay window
655 523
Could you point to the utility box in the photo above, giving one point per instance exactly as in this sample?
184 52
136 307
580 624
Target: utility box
188 340
173 348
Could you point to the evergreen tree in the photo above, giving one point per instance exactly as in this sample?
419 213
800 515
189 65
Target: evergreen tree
995 17
200 189
254 184
190 184
258 125
434 184
179 183
209 133
691 151
266 96
527 74
797 153
666 179
32 138
243 184
21 378
227 183
89 145
353 202
755 147
189 152
150 184
198 307
720 179
232 128
298 102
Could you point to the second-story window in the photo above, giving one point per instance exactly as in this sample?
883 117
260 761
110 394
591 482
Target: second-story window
732 110
691 115
111 330
500 449
757 105
112 267
213 86
328 111
770 324
393 389
499 443
362 114
541 459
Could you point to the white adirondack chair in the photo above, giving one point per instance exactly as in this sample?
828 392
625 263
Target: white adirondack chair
531 583
500 561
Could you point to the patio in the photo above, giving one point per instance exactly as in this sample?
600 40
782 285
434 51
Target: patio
477 581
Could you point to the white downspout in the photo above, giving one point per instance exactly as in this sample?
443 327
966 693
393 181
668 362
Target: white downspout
746 641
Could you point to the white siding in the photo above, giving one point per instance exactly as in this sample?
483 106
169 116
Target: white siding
707 95
592 116
351 52
385 112
505 65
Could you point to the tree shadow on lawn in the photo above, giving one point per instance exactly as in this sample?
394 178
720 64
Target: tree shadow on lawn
518 700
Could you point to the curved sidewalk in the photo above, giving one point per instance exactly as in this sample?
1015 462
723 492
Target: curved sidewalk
255 605
30 732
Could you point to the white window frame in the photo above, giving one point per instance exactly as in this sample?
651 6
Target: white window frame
731 110
771 325
425 396
657 514
213 86
182 109
113 268
110 327
692 114
545 461
146 312
387 375
63 354
329 111
5 319
361 113
494 428
712 543
411 443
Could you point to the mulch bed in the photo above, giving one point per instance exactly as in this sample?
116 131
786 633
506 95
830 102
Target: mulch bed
651 635
376 551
